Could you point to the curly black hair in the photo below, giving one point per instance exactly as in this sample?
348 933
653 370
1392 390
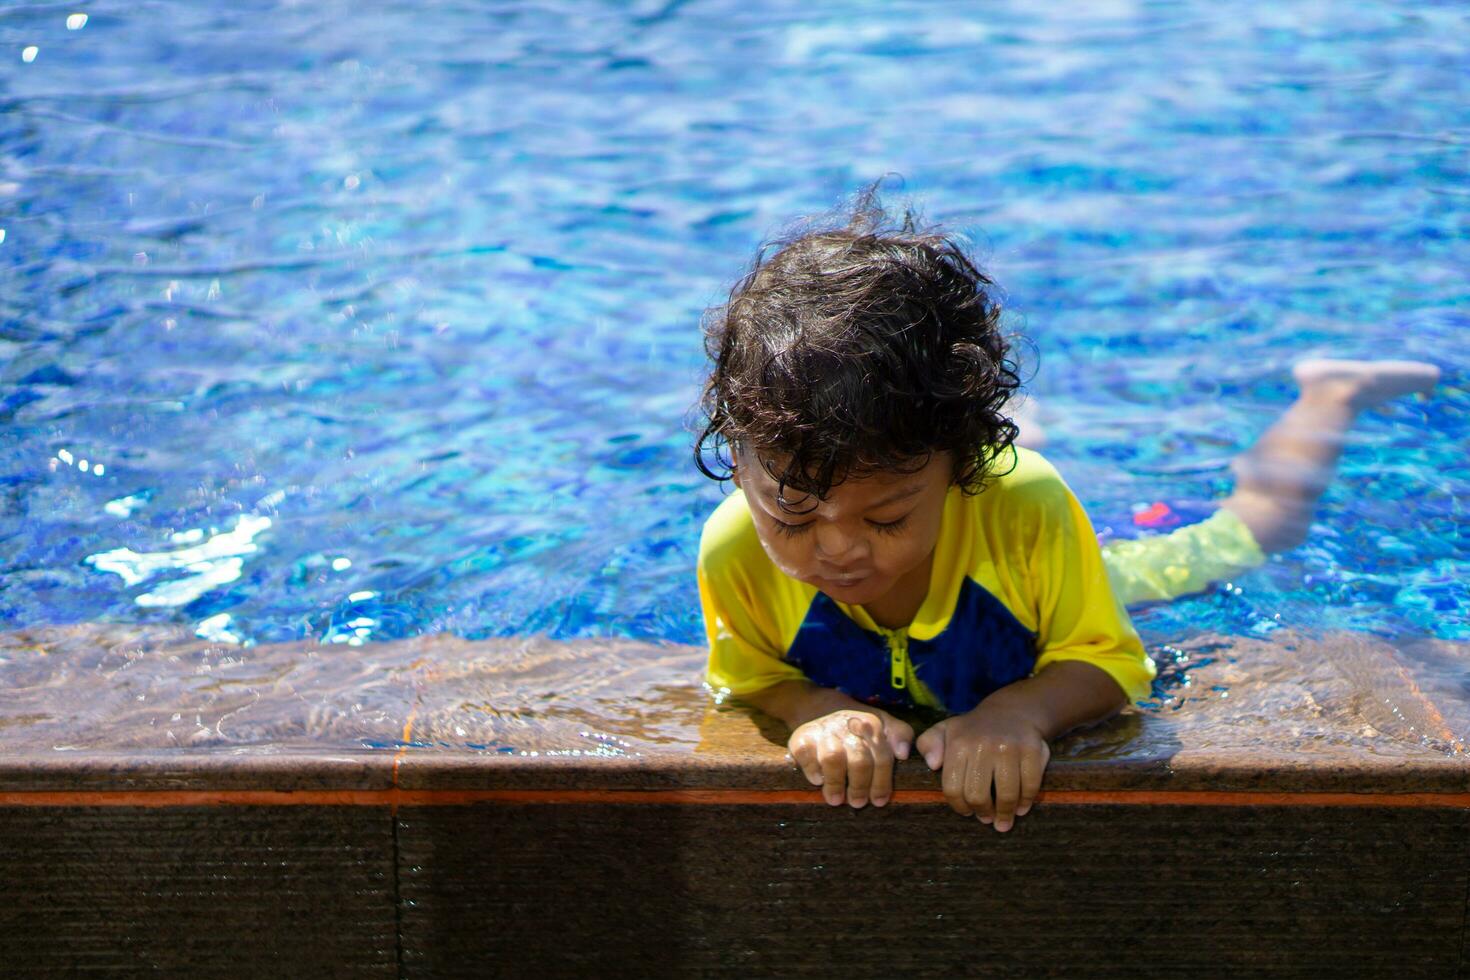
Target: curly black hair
858 349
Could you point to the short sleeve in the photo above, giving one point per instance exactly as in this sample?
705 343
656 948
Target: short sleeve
744 639
1079 616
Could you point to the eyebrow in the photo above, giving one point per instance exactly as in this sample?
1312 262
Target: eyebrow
892 498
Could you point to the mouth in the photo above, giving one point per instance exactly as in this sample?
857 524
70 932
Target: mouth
843 581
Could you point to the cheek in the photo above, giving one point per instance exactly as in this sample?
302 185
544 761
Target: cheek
787 555
896 556
900 555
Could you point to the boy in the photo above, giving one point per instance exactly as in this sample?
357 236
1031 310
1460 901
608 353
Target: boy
890 546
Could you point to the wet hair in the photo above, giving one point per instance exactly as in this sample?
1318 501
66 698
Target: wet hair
856 349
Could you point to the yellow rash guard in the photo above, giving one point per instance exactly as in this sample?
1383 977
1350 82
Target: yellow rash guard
1018 582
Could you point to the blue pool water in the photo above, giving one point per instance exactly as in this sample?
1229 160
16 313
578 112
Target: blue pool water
360 321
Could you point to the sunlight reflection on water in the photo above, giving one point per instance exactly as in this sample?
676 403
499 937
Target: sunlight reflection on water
429 282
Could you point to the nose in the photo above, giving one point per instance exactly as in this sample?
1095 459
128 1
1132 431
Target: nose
835 544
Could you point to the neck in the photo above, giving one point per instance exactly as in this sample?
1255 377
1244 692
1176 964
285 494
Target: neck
897 607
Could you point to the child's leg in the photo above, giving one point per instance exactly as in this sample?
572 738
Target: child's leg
1281 477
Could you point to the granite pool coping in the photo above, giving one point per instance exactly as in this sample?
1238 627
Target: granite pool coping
104 714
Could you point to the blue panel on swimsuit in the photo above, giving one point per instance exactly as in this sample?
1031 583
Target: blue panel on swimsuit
983 648
833 651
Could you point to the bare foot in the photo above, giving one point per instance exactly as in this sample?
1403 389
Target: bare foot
1364 384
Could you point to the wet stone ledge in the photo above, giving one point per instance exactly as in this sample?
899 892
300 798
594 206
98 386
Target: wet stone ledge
117 708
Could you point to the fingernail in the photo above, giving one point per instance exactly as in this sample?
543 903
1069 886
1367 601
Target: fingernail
1002 825
857 802
985 819
903 750
1023 809
880 801
932 760
834 800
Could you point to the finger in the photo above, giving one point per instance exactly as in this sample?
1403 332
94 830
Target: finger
977 785
900 737
859 769
882 788
804 754
1007 788
931 746
833 757
953 781
1033 764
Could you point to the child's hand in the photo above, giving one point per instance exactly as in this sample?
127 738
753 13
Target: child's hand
984 748
850 753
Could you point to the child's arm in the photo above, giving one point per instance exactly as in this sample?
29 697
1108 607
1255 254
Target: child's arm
842 745
1003 741
1090 662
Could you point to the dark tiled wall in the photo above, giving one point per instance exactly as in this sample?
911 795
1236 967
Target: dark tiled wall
916 891
207 891
662 890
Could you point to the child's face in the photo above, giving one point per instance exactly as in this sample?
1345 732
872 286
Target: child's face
871 534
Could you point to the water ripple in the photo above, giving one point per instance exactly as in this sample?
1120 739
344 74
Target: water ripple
421 266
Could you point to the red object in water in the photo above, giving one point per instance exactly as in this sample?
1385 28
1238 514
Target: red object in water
1158 515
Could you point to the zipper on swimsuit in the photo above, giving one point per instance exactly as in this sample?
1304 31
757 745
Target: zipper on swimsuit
898 657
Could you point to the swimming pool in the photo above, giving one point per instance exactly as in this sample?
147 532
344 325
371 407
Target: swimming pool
324 324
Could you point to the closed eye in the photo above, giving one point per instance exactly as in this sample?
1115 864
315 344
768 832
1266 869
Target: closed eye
790 530
891 527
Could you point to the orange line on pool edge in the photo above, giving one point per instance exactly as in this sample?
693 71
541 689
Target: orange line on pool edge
398 756
396 797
